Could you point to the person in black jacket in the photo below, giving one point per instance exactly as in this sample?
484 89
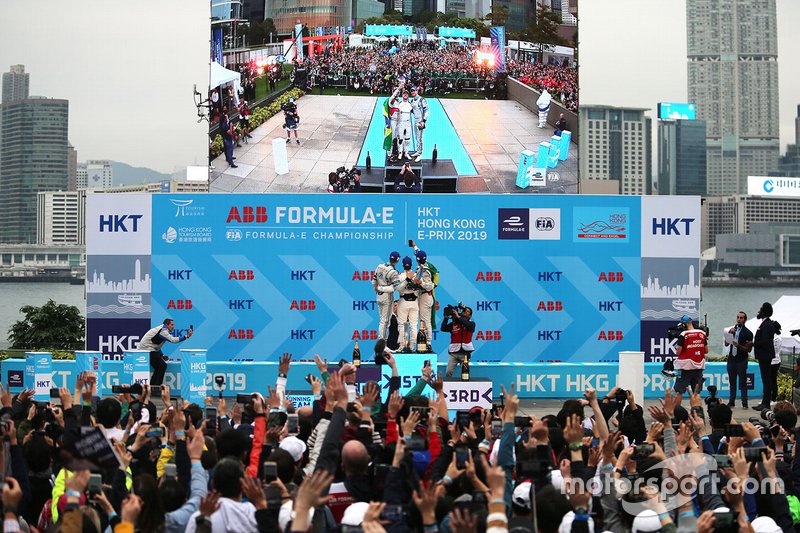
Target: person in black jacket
764 351
738 356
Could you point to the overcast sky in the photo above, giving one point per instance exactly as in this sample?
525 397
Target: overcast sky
633 53
127 69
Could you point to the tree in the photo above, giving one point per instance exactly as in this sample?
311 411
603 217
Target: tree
259 32
498 15
52 326
544 29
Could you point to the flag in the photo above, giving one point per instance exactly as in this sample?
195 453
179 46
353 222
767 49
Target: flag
498 39
387 127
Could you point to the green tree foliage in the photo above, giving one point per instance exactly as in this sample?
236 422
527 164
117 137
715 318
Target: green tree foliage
259 32
52 327
498 15
544 29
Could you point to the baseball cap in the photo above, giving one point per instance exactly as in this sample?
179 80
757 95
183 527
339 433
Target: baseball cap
394 256
421 256
647 520
406 262
686 319
287 514
294 446
354 514
765 524
522 495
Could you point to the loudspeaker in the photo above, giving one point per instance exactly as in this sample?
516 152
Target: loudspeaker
501 86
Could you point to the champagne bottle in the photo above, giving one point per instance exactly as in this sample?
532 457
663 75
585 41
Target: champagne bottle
465 368
422 342
369 161
356 356
435 153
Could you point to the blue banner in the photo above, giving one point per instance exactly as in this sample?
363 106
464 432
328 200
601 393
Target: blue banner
216 45
136 365
388 30
259 275
534 380
463 33
41 366
193 376
497 34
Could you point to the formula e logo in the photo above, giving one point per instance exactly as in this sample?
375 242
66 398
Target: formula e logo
233 235
768 186
545 224
513 223
170 235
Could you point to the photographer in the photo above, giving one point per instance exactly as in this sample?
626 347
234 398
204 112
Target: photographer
344 180
457 321
153 340
407 181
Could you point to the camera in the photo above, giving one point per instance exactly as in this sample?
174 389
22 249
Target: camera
675 331
345 179
448 309
768 415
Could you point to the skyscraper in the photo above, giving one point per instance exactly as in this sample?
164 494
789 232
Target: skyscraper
682 157
33 158
732 52
616 145
15 84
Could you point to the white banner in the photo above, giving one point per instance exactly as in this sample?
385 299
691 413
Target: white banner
671 226
771 186
118 224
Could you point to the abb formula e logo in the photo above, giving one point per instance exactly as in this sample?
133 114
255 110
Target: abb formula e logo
247 215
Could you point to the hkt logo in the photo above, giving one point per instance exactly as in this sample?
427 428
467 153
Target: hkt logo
303 305
610 335
179 304
303 275
117 223
179 274
549 334
550 276
487 305
488 335
364 335
363 275
669 226
606 305
240 304
242 275
249 214
303 334
489 276
611 276
241 334
550 306
364 305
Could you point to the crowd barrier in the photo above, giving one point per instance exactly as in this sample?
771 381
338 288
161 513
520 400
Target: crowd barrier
531 380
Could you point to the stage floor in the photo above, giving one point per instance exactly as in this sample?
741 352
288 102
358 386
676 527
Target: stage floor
334 129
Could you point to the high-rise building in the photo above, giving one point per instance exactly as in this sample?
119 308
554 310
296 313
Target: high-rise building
732 52
72 168
16 83
95 174
789 164
737 213
616 143
60 217
33 158
312 13
682 157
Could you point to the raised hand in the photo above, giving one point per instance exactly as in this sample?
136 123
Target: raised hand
284 363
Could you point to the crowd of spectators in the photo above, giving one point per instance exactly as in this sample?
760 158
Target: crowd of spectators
423 64
353 463
560 81
437 70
